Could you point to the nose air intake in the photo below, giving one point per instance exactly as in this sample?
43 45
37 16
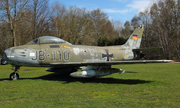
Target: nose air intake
7 54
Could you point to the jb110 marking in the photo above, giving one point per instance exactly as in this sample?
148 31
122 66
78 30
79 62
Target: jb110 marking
61 56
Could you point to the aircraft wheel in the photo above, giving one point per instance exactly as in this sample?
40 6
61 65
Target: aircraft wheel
14 76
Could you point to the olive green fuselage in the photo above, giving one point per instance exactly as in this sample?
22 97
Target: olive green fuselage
47 54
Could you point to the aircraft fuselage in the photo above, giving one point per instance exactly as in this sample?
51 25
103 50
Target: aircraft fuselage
47 54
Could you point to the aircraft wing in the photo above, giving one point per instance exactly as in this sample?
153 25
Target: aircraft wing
109 63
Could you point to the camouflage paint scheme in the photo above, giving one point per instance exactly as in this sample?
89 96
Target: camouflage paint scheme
49 51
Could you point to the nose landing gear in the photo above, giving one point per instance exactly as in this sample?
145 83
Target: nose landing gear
14 75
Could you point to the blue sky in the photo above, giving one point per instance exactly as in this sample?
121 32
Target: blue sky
121 10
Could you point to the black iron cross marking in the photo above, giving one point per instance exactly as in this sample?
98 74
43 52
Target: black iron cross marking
107 54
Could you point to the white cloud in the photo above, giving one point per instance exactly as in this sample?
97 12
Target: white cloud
110 18
140 5
115 11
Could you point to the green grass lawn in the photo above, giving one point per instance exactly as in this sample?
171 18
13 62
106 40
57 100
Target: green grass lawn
141 86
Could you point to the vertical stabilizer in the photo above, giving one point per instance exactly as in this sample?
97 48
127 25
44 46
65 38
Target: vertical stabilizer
134 40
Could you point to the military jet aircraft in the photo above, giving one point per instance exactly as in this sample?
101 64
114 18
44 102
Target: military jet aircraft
61 56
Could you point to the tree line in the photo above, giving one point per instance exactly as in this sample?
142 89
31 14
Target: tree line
24 20
162 28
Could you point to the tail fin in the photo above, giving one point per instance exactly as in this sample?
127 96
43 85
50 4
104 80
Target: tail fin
134 40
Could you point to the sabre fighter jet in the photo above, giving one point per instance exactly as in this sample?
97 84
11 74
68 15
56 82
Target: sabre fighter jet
61 56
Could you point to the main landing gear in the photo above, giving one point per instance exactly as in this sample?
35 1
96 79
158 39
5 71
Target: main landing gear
14 75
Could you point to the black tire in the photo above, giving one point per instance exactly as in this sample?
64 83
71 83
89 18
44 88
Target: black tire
14 76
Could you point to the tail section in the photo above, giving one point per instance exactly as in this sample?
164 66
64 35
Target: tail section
134 40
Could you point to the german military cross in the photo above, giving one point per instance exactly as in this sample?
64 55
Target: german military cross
107 55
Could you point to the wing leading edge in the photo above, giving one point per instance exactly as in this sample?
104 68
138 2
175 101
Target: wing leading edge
110 62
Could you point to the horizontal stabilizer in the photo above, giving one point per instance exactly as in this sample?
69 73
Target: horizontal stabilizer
146 49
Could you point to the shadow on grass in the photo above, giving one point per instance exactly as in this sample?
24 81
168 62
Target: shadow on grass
130 72
69 79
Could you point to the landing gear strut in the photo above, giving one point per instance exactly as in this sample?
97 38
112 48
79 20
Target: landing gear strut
14 75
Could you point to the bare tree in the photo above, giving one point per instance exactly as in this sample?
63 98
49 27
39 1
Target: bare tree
165 19
40 17
118 26
126 31
13 11
75 21
98 20
58 12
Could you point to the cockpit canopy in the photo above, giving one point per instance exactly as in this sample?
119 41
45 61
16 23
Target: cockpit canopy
47 40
